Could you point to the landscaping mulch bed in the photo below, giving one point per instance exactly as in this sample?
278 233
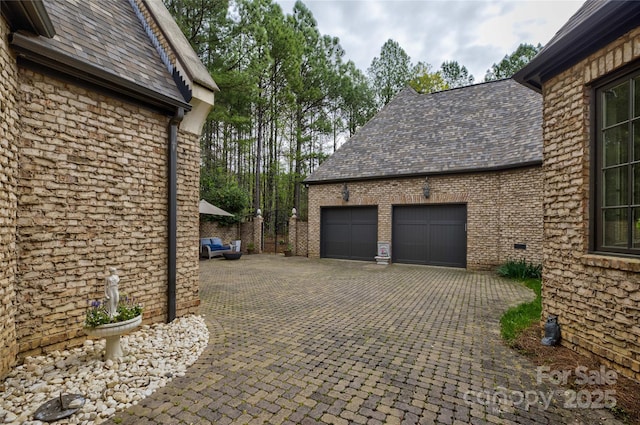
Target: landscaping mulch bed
627 391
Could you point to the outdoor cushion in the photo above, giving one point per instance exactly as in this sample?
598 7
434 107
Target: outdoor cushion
216 241
215 247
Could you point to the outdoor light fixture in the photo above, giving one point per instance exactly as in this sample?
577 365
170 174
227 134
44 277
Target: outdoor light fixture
426 189
345 193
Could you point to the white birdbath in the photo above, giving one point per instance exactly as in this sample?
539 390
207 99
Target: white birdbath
112 332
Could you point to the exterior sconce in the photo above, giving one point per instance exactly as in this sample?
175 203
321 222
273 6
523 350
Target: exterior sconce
426 189
345 193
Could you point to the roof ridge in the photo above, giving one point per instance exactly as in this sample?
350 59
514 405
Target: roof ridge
501 80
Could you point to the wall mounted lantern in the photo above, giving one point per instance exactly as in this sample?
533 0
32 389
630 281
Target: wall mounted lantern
426 189
345 193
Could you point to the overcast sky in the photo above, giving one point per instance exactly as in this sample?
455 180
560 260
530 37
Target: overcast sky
476 33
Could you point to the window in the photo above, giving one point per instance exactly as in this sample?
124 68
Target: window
617 190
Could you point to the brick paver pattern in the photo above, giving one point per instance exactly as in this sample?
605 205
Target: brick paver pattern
304 341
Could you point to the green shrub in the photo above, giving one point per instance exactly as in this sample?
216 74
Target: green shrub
520 269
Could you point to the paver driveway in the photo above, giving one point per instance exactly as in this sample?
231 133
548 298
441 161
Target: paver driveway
300 341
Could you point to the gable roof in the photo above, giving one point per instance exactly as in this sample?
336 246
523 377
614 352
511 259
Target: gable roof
596 24
104 43
488 126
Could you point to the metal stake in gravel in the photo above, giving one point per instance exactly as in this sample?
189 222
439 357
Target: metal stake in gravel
59 408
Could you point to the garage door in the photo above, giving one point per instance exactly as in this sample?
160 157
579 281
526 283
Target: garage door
430 234
349 233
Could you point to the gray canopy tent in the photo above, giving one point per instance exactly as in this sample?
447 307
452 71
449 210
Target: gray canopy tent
207 208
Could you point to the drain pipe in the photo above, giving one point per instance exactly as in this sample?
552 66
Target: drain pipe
173 213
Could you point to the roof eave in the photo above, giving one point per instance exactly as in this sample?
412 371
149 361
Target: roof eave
29 15
503 167
613 20
36 53
185 55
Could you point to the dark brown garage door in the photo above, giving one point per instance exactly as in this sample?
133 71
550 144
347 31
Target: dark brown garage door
349 233
430 234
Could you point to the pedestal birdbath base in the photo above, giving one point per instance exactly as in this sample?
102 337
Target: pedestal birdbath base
112 332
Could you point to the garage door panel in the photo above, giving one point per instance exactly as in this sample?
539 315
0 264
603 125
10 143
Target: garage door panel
407 249
364 241
349 233
337 216
337 240
430 234
364 216
445 246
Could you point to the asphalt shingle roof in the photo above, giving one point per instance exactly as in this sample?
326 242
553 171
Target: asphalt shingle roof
108 35
486 126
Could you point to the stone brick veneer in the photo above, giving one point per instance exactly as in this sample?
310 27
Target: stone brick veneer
187 266
210 229
503 208
9 132
92 193
298 236
597 297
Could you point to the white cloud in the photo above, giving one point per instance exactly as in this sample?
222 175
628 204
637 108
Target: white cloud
476 33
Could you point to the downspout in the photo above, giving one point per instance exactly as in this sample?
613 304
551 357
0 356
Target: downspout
173 212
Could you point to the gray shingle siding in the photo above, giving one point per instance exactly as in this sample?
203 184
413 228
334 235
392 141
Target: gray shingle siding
486 126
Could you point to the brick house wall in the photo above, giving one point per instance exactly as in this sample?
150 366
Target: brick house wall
92 193
503 208
84 179
187 243
9 132
595 296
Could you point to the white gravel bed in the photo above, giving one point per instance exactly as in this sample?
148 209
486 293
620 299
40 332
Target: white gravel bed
153 356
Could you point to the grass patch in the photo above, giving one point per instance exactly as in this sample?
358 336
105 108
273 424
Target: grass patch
517 319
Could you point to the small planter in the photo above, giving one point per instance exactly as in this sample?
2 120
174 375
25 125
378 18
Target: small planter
112 332
288 253
232 255
250 251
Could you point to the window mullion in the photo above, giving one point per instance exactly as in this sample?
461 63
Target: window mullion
630 200
632 164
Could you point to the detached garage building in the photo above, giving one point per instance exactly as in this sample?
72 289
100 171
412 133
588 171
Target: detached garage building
451 179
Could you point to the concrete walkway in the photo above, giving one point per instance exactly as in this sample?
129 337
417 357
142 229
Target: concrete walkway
300 341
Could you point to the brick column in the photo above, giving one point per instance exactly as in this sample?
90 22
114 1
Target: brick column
257 232
293 231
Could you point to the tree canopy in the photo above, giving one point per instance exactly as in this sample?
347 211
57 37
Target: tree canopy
455 75
287 98
512 63
389 72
